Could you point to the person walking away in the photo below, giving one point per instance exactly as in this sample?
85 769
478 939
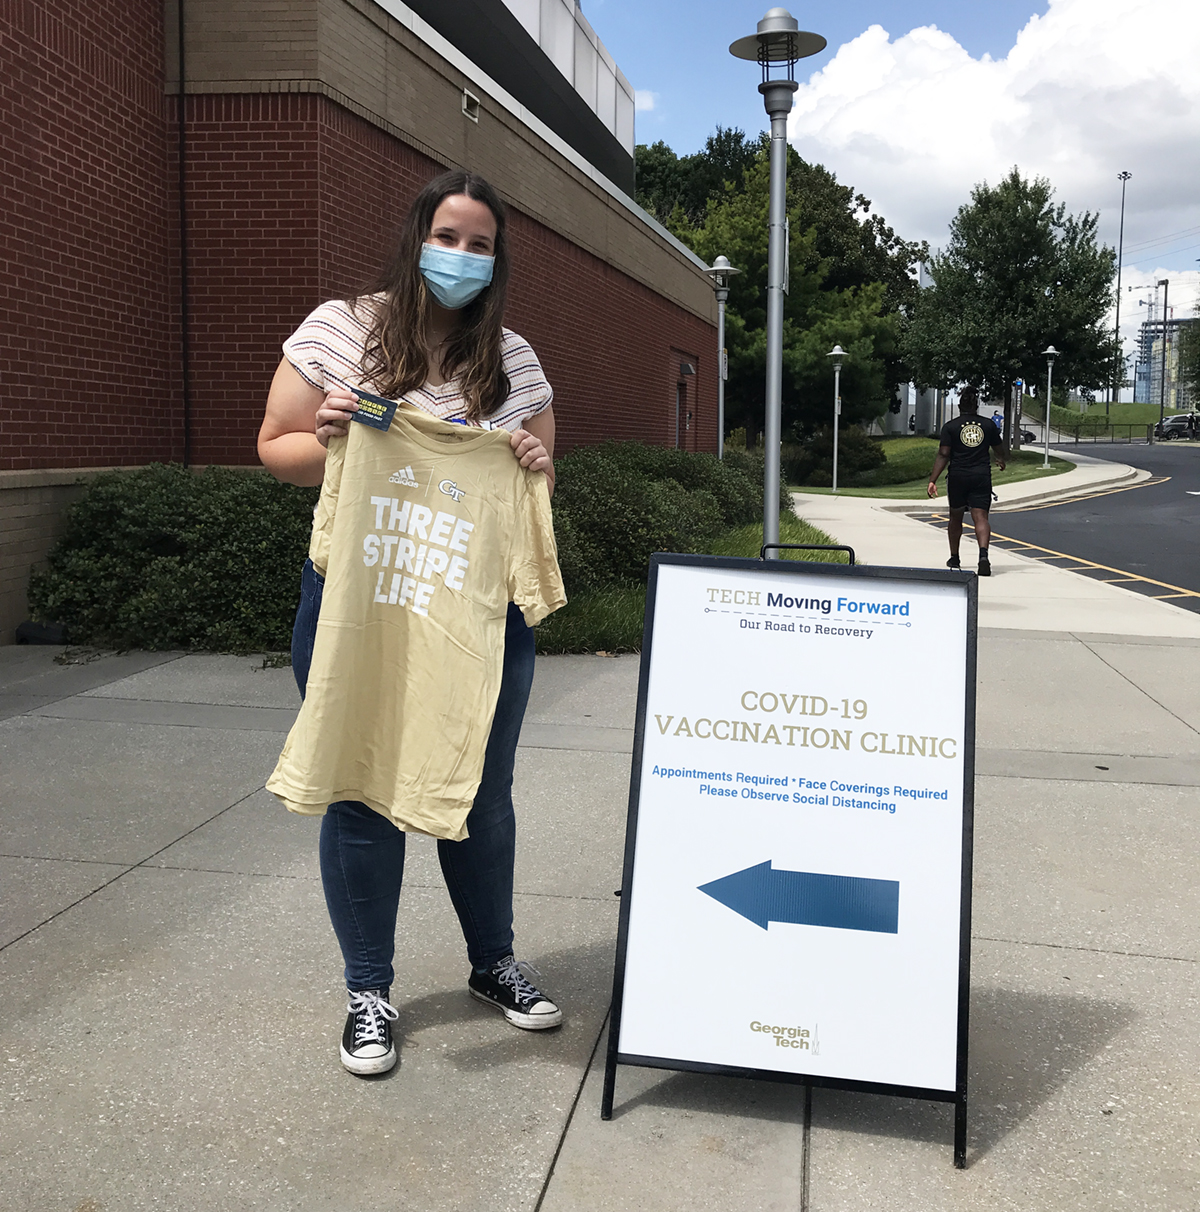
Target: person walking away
428 332
966 448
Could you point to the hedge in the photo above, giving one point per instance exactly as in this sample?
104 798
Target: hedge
162 557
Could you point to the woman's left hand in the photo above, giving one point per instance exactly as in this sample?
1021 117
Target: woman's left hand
534 444
530 450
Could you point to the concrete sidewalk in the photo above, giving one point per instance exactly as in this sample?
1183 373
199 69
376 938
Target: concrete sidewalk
171 998
1023 594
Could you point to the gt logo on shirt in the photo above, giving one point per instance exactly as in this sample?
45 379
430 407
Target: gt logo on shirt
451 489
971 434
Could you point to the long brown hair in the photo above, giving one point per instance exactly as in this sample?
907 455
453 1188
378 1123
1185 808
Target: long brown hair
395 357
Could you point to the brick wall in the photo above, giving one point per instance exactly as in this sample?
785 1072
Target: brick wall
293 200
253 260
88 374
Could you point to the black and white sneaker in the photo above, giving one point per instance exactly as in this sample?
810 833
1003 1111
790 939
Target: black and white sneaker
367 1045
954 562
985 565
505 986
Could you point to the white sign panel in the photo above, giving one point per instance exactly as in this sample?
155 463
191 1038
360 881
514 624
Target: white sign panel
797 863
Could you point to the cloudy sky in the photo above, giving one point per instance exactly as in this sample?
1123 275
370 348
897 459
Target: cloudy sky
914 101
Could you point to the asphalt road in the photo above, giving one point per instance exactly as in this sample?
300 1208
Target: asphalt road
1151 531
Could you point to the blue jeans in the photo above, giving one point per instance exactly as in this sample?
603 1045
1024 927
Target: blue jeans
362 852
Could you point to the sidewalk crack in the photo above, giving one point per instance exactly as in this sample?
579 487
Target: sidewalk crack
134 867
1140 689
571 1113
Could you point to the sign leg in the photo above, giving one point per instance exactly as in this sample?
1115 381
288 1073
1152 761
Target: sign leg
610 1082
960 1132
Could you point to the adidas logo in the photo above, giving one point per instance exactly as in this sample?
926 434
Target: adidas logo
404 476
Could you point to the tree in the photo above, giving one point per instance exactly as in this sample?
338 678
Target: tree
1018 274
667 183
1189 357
849 276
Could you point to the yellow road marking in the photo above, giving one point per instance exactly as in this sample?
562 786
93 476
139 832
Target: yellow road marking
1177 590
1091 496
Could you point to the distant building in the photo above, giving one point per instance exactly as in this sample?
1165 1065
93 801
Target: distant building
1147 385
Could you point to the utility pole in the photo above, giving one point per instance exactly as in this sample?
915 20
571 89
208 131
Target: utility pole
1162 387
1122 177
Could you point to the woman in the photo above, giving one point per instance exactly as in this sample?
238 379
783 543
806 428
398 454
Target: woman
428 331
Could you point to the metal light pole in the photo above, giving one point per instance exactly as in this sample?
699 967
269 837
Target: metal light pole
1162 387
1050 353
778 40
720 272
1122 177
837 353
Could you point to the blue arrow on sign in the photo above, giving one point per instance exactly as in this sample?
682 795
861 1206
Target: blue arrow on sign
804 898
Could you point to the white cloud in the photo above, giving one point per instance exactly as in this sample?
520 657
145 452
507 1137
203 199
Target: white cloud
1089 89
644 100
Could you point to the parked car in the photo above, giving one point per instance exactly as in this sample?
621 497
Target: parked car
1182 425
1028 437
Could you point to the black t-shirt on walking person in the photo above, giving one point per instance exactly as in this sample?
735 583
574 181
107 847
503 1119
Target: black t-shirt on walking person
971 439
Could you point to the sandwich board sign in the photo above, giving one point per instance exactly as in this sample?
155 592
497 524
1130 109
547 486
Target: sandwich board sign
796 900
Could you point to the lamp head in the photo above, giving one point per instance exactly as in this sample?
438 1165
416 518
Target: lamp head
1050 353
838 354
1124 176
778 40
720 272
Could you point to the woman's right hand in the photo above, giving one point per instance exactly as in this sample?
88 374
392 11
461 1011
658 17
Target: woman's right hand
335 413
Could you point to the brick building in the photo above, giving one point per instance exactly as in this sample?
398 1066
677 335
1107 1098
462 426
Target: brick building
152 261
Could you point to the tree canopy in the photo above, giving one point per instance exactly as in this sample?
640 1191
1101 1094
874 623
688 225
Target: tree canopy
1018 274
1189 356
667 182
850 276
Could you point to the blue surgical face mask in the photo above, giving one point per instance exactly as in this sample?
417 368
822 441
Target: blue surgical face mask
454 277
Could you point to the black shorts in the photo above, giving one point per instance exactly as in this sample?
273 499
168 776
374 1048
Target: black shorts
969 492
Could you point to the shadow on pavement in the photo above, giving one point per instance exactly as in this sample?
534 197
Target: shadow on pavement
711 1094
1024 1048
578 978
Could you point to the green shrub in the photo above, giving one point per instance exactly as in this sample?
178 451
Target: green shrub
610 619
164 558
857 453
616 504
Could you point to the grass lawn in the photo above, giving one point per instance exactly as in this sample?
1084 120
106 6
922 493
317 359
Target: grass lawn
1126 414
610 620
913 458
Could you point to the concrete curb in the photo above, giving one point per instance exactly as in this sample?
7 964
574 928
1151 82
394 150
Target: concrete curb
1121 474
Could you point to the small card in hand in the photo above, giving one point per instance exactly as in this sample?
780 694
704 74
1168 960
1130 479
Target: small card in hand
374 411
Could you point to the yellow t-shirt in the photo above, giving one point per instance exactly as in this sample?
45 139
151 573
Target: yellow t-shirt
425 533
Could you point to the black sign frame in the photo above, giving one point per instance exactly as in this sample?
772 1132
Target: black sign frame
860 572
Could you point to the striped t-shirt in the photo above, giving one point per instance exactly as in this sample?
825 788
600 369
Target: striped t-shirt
327 351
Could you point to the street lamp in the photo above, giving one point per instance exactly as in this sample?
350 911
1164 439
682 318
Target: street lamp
778 40
1120 250
837 353
720 272
1050 353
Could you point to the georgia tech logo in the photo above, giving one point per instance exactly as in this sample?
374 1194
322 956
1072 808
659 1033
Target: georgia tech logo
451 489
971 434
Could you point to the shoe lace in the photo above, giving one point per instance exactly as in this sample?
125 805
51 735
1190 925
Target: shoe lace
370 1010
512 973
